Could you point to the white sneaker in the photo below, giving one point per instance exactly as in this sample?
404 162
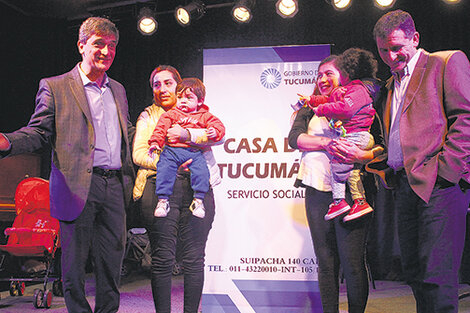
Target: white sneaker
197 207
162 209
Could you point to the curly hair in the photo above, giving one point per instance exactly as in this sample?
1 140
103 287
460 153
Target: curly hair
357 63
328 59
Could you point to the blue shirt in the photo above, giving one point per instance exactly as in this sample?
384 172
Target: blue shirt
105 123
395 153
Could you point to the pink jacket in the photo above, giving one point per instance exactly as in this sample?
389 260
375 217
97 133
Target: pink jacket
352 104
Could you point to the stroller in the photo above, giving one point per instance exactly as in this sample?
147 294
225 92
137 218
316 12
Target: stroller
137 253
33 240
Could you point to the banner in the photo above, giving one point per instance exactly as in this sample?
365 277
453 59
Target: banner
259 255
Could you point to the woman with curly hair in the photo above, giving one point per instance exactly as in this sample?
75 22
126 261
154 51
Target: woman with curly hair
350 110
335 242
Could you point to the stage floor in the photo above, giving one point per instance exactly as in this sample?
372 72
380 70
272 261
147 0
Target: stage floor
136 297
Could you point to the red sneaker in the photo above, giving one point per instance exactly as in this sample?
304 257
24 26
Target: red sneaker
336 209
360 208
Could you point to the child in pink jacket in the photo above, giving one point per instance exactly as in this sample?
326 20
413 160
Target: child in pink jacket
351 113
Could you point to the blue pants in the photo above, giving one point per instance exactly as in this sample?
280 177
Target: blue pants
170 159
340 172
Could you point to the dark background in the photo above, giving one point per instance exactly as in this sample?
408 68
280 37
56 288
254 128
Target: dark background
34 47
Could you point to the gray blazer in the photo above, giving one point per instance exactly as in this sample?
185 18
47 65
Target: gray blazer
62 118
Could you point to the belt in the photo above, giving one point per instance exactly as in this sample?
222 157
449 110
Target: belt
107 173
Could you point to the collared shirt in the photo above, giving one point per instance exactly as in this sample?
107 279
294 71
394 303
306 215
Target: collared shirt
395 154
105 123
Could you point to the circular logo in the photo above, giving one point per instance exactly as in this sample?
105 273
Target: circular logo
270 78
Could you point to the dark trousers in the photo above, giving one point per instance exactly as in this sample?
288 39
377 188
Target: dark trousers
170 160
99 230
335 243
163 232
432 237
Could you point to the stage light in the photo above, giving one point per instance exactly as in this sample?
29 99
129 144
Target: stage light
146 23
340 4
287 8
241 11
384 4
451 1
193 11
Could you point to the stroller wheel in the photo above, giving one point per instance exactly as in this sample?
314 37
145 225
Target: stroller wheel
47 300
21 288
15 289
38 298
57 288
126 269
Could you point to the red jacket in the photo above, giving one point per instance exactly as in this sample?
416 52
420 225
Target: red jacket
352 104
199 119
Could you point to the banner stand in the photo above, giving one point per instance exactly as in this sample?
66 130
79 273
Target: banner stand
259 255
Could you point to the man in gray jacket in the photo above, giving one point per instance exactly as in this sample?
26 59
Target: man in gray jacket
84 115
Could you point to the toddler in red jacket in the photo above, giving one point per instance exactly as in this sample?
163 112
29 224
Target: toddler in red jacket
190 112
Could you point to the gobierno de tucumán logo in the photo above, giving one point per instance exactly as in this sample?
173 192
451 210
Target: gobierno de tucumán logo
270 78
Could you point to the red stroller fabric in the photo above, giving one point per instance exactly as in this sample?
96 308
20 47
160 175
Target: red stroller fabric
34 231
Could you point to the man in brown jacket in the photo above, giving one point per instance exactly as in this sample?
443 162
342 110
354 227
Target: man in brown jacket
426 118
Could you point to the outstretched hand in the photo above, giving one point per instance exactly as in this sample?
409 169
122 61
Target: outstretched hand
303 98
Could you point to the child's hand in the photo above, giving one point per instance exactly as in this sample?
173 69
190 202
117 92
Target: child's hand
341 90
153 148
303 98
176 134
211 133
